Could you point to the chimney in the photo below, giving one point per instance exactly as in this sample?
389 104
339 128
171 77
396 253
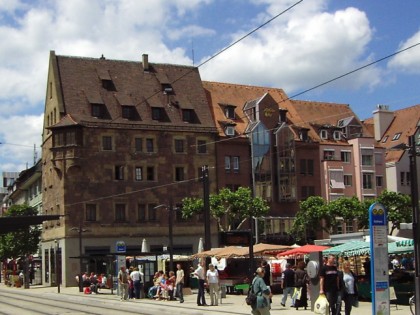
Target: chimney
145 62
382 118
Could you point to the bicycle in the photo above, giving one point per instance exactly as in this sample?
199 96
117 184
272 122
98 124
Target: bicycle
412 303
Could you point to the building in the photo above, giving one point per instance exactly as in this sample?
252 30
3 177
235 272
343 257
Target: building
9 179
123 143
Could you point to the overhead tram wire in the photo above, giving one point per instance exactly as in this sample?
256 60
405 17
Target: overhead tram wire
223 50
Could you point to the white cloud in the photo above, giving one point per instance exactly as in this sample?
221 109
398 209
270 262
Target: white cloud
18 135
301 52
409 60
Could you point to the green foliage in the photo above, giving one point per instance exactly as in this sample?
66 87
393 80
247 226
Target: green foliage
229 208
20 243
316 215
398 207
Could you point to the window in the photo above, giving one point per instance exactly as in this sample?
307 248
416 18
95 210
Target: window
152 212
138 173
90 212
179 174
157 113
323 134
303 167
367 160
379 181
385 139
120 212
310 167
201 146
227 162
230 112
179 145
329 154
138 144
167 88
107 143
402 178
337 179
408 178
235 162
396 136
141 212
150 173
337 135
348 180
119 172
367 181
188 115
97 110
150 145
307 191
127 112
230 131
349 226
346 156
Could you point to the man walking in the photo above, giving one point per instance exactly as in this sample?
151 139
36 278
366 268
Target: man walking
123 283
199 272
288 284
179 283
329 283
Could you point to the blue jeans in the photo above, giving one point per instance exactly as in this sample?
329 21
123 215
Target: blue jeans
286 291
179 292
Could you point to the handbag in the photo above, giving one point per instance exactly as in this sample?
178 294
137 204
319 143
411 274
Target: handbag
322 306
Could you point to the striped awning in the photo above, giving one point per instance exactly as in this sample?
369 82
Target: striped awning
353 248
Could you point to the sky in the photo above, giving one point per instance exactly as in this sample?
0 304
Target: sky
305 44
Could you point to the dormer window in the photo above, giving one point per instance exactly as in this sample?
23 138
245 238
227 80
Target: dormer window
167 88
230 130
157 113
230 112
323 134
337 135
97 110
396 136
128 112
303 134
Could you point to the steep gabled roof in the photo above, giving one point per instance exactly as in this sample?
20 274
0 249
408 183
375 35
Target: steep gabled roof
116 83
315 115
220 94
404 124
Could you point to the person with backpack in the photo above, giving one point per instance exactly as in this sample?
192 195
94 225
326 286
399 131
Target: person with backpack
261 306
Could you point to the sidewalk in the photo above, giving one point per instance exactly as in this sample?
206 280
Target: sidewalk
232 304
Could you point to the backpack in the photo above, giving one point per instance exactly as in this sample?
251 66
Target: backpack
251 298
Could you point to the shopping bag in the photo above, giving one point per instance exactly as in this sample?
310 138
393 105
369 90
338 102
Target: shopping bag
321 305
297 293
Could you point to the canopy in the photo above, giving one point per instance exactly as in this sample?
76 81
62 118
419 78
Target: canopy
353 248
303 250
401 247
234 251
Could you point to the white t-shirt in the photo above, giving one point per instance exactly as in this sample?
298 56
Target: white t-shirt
213 276
349 282
135 275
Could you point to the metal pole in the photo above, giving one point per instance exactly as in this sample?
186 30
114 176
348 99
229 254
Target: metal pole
206 199
57 276
415 206
80 257
171 236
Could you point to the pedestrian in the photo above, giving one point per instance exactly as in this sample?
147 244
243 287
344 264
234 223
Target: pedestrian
329 283
350 296
135 277
288 284
200 274
213 281
263 293
267 272
123 283
301 281
179 283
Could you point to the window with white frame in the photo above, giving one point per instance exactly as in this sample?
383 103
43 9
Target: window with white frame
138 176
227 163
329 154
323 134
337 135
235 162
346 156
367 181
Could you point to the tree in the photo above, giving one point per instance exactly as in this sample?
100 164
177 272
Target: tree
308 219
346 208
229 208
398 208
21 243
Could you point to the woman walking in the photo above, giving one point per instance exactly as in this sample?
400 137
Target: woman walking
350 288
301 281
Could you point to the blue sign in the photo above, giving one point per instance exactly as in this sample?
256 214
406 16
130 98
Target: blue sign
378 226
120 247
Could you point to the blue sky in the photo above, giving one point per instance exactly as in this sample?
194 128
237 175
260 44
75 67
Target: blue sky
311 43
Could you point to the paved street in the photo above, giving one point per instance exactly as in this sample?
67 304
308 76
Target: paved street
233 304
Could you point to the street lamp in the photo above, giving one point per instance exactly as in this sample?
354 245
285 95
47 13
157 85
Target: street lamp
80 230
170 233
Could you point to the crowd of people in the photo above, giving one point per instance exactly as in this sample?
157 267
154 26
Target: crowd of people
91 283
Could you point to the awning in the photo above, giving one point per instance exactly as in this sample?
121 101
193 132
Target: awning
303 250
353 248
